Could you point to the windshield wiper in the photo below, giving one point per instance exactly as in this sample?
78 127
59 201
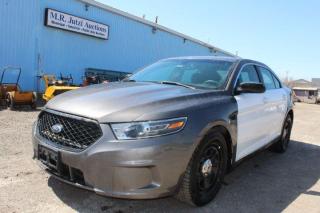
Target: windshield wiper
177 83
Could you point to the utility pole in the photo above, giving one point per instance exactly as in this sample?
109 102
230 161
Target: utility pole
287 77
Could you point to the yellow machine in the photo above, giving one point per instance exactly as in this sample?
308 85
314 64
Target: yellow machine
11 94
54 87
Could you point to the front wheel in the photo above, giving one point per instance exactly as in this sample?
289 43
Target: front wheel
205 172
282 145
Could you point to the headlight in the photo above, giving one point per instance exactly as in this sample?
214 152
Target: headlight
126 131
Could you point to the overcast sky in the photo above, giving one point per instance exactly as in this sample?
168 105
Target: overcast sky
283 34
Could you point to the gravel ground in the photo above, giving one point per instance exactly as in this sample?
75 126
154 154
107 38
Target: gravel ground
268 182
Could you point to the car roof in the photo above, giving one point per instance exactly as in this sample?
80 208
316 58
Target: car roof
247 61
222 58
218 58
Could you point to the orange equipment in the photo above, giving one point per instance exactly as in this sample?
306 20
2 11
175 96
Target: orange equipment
11 94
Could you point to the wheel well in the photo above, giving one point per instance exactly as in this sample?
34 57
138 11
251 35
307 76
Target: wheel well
228 139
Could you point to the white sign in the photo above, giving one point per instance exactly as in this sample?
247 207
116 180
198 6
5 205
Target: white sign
76 24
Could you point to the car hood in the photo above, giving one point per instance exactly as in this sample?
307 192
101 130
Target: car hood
123 101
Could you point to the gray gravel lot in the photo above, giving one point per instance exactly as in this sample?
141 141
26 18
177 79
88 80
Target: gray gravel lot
268 182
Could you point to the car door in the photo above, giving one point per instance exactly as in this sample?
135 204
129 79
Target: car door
252 117
275 102
282 105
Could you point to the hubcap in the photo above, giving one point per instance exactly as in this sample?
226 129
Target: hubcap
206 167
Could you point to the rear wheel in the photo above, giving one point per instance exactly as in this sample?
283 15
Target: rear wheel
205 172
282 145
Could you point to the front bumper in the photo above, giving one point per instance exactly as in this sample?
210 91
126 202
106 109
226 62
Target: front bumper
137 169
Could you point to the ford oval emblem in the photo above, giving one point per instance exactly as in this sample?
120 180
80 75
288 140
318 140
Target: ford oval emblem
57 128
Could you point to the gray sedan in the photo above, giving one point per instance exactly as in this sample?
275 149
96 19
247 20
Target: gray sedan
172 128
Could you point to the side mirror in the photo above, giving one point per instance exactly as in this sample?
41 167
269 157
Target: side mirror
250 87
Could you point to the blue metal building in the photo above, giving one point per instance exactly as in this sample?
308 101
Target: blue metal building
117 40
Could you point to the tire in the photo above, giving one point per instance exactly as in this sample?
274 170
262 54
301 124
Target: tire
282 145
10 101
33 105
4 103
34 101
199 185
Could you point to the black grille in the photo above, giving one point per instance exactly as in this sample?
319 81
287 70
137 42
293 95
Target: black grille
76 133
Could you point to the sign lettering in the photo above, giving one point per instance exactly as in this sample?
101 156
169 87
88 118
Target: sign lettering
76 24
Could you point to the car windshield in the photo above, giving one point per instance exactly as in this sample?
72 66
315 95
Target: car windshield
200 74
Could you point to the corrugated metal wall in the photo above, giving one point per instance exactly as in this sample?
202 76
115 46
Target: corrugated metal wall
18 34
26 42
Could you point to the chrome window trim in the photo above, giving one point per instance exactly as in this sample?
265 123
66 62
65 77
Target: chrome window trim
243 66
258 65
273 74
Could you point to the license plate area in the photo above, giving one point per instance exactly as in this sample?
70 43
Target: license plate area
49 157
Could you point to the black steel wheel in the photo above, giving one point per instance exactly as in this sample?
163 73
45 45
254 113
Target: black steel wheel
205 171
282 145
209 167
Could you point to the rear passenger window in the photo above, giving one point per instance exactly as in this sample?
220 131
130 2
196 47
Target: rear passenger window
248 74
267 78
277 82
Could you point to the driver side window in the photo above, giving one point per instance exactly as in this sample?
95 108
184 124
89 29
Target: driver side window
248 74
